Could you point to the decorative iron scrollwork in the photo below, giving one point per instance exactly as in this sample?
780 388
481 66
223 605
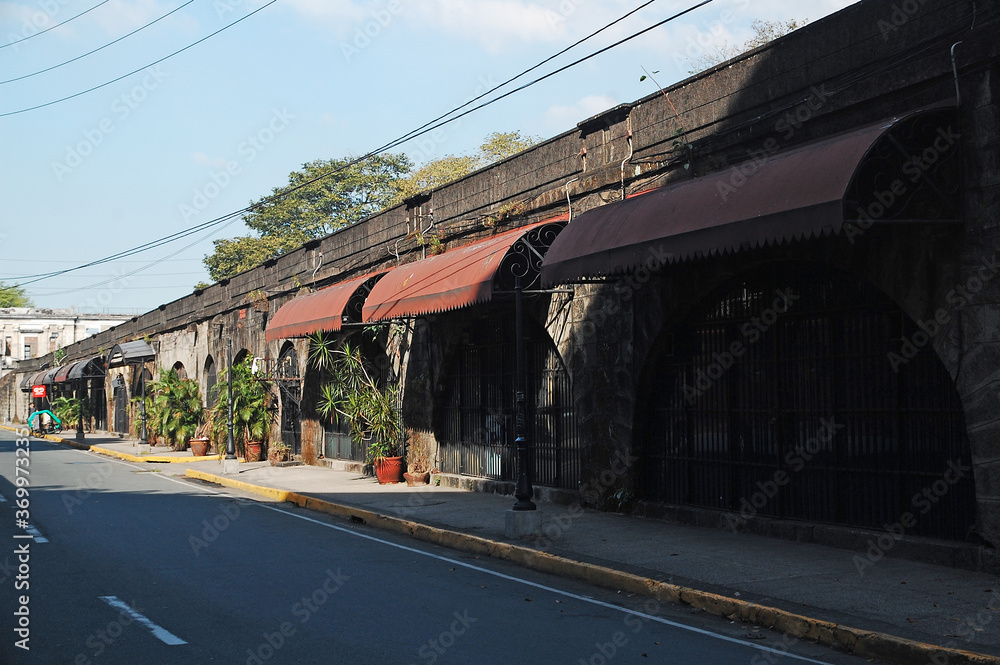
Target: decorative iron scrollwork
524 258
352 311
911 173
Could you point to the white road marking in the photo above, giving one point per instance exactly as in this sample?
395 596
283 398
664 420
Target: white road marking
159 632
3 499
567 594
36 534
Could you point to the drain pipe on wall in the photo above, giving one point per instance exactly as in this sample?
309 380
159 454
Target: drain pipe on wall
569 203
628 136
954 69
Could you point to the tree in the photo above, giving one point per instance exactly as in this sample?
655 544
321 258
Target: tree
311 205
763 32
14 296
496 147
314 204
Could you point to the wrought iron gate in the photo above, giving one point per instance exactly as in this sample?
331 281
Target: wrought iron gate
477 414
121 406
782 398
289 387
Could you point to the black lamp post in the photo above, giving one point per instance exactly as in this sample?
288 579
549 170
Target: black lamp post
523 491
142 379
230 443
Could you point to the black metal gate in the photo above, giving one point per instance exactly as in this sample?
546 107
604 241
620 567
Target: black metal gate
477 414
289 385
782 397
121 405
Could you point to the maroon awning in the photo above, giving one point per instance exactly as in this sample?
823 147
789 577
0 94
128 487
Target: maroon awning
62 376
801 193
460 277
326 309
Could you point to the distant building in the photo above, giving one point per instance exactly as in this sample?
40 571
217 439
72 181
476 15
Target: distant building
31 332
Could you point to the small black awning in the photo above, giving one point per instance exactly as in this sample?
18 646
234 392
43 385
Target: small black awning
130 353
87 369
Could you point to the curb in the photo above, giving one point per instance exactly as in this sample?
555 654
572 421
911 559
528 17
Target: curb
114 453
865 643
152 458
50 437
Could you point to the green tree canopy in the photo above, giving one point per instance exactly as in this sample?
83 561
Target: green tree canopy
496 147
14 296
310 206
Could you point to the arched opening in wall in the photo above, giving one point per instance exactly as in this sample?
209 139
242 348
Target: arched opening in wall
475 414
290 390
211 380
786 394
338 443
119 401
181 372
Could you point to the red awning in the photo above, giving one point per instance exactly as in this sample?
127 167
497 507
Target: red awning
805 192
62 376
460 277
326 309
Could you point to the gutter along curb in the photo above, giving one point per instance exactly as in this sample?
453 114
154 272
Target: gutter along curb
866 643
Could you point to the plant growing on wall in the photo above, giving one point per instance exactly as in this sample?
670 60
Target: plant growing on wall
176 410
252 414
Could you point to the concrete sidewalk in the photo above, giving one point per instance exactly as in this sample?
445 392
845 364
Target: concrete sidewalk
893 609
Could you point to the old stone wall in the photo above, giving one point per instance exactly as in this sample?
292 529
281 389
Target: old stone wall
869 62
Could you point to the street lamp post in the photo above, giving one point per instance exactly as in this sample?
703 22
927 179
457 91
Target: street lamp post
142 380
230 443
523 491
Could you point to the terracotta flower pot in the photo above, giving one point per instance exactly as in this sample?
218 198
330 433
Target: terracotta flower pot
389 470
417 478
253 451
199 447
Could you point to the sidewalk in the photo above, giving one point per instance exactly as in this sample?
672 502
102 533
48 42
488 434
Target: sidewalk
894 610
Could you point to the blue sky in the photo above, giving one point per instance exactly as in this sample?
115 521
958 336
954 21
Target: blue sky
209 130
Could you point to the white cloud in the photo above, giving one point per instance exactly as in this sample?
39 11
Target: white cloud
495 24
206 160
561 117
120 16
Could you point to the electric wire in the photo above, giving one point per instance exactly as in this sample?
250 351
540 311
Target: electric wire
426 128
42 32
79 57
136 71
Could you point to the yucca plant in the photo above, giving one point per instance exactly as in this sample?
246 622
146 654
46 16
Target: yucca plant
176 409
252 415
352 393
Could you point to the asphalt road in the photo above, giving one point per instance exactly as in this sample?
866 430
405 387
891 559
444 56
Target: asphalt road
129 564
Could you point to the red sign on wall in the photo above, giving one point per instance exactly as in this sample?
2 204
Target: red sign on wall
38 391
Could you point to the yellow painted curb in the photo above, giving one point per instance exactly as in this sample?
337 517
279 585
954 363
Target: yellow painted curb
866 643
50 437
151 458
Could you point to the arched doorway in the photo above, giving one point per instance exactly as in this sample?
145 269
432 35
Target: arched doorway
181 372
779 396
211 380
476 427
290 389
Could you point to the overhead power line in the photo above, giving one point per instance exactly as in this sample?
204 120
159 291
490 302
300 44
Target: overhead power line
136 71
80 57
420 131
42 32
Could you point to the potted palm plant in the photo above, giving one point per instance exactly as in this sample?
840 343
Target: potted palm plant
371 411
251 412
176 410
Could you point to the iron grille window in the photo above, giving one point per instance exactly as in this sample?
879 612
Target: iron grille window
809 397
477 416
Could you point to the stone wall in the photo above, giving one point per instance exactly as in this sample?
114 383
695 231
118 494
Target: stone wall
862 65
